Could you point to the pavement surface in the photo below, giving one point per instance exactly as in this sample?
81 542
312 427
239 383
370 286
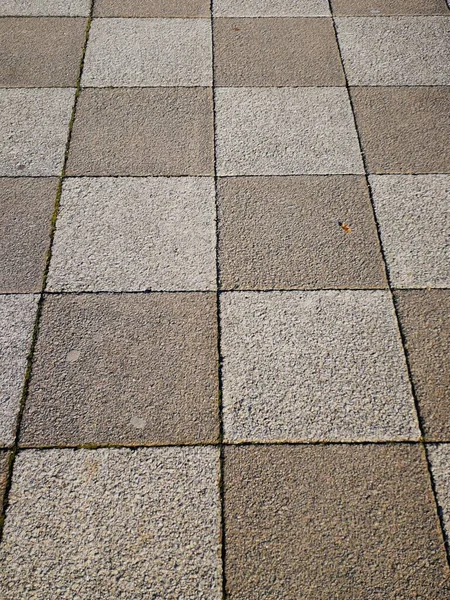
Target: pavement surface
224 299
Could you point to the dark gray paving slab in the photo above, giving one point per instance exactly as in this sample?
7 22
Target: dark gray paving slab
321 522
26 206
166 131
152 8
124 369
276 52
405 129
271 8
389 7
139 524
43 8
424 316
297 232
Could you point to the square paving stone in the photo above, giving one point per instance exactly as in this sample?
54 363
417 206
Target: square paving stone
285 131
148 52
276 52
314 366
321 522
124 369
139 524
17 315
41 52
297 232
424 317
395 50
4 465
404 130
152 8
34 125
166 131
42 8
26 206
389 7
413 213
135 234
439 455
271 8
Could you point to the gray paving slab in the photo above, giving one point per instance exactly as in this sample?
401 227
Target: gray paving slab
395 50
414 218
285 131
17 315
34 125
377 8
135 234
148 52
138 524
439 455
271 8
129 369
314 366
332 522
4 467
152 8
43 8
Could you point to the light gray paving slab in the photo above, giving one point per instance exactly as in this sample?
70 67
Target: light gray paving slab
285 131
47 8
148 52
117 234
413 212
139 524
439 455
271 8
314 366
17 314
34 128
395 50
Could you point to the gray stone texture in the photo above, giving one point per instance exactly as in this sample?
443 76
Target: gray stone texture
165 131
424 318
152 8
128 524
298 232
43 8
26 206
17 315
405 129
276 52
129 369
321 522
34 125
4 466
285 131
314 366
148 52
413 213
135 234
271 8
439 455
389 7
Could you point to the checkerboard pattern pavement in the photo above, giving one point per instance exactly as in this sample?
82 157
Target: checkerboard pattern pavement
224 299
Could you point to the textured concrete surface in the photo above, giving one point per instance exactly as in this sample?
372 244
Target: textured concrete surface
33 127
152 8
143 132
285 131
395 51
424 318
314 366
155 52
135 234
297 232
276 52
271 8
17 314
42 8
139 524
405 129
414 217
439 455
26 206
4 463
389 7
129 369
339 522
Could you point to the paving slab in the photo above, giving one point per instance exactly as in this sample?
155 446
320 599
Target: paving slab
165 131
413 213
45 8
148 52
140 524
404 129
395 50
271 8
276 52
285 131
297 233
135 234
26 206
17 315
34 125
130 369
314 366
377 8
339 522
439 455
4 467
424 317
152 8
